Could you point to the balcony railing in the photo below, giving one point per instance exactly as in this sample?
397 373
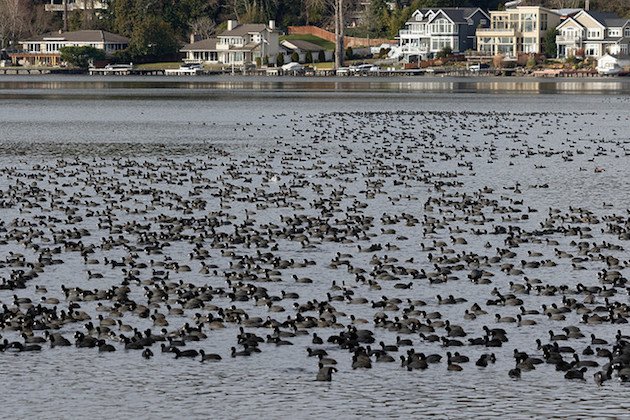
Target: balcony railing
408 32
489 32
568 39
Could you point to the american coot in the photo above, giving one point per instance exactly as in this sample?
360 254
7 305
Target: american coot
185 353
209 357
325 373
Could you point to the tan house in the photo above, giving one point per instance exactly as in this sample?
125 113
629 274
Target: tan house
44 50
59 6
238 45
594 33
517 30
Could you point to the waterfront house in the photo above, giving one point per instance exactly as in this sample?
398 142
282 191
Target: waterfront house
516 30
302 48
593 34
431 30
238 45
75 5
44 50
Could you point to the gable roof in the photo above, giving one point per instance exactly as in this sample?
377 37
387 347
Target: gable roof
83 36
242 30
454 14
567 21
602 17
203 45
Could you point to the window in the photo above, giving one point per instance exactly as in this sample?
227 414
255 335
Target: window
594 33
543 21
591 50
529 22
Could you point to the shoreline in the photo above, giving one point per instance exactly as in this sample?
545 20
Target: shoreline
320 74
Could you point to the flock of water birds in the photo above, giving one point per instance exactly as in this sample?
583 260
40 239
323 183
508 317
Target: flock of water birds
363 240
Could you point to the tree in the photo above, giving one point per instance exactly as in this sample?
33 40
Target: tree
295 57
321 57
203 26
444 52
378 16
550 48
14 21
153 38
280 60
339 32
349 53
309 57
81 56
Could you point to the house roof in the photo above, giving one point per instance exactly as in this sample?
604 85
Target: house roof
455 14
302 45
616 22
603 17
242 30
82 36
203 45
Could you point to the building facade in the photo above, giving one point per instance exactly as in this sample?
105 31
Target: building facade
593 34
238 45
431 30
44 50
517 30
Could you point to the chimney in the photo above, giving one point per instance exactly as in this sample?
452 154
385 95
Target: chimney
587 5
192 38
231 24
272 25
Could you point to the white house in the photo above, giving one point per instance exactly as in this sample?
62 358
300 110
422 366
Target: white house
238 45
431 30
595 33
45 49
302 48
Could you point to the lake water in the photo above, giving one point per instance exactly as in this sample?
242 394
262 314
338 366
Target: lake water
258 153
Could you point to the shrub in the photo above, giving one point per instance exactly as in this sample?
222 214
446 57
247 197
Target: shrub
280 60
321 57
349 53
309 57
81 56
295 57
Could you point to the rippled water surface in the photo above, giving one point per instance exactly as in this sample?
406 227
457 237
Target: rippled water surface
257 152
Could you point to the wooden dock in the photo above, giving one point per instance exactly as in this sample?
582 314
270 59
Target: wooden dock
124 72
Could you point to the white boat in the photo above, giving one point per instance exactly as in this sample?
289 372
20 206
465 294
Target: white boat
609 70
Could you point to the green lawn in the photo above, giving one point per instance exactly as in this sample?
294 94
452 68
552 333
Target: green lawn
330 46
159 66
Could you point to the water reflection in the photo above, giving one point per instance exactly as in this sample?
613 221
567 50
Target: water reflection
17 86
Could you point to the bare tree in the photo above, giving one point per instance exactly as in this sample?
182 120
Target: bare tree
13 21
203 26
252 10
340 27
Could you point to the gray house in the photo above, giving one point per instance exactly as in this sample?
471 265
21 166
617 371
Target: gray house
431 30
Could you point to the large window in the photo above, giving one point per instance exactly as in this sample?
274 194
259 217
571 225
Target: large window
441 26
529 22
438 44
